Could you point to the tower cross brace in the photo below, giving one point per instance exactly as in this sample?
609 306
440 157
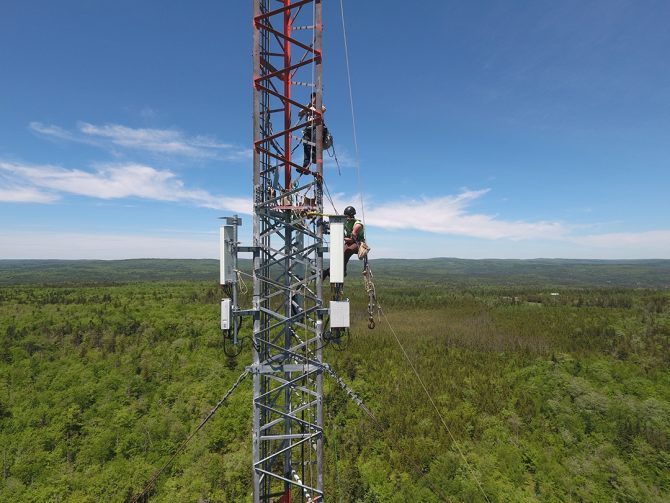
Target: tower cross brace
288 248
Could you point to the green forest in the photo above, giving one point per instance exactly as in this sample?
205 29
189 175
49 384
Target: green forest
553 378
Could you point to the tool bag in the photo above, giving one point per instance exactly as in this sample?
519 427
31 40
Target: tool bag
327 138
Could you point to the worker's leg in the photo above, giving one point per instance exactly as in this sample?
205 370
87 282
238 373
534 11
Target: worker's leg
306 147
349 250
306 161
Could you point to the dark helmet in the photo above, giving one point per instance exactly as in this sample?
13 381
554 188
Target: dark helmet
350 211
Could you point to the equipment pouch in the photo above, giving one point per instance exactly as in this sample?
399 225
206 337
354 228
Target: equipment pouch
327 138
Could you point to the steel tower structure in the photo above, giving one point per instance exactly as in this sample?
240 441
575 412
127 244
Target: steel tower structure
288 312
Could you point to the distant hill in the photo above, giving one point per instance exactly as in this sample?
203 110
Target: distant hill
13 272
556 272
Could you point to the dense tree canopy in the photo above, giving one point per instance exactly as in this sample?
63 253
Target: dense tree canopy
546 397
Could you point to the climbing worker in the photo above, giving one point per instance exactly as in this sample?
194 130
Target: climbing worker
354 237
309 133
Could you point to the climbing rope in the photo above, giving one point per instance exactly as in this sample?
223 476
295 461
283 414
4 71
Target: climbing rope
367 273
334 156
152 480
437 411
325 186
381 427
337 471
372 294
353 115
310 358
243 285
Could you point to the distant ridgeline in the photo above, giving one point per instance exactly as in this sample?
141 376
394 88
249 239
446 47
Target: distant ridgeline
555 272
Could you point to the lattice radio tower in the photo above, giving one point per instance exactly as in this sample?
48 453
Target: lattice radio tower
290 321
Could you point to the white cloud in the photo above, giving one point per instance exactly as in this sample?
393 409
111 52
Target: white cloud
157 141
656 239
489 236
185 244
344 159
395 244
76 245
165 141
449 215
17 194
456 230
51 131
116 182
148 113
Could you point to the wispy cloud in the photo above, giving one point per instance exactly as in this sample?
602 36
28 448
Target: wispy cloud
157 141
109 182
450 215
658 239
18 194
344 159
52 131
79 245
148 113
177 243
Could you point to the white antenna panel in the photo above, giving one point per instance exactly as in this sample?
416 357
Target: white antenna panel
226 250
336 252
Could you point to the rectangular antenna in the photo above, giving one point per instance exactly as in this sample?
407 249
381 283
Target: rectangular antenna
227 258
336 250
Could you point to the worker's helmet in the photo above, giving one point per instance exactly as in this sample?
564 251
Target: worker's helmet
350 211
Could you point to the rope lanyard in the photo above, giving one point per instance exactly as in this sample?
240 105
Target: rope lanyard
372 293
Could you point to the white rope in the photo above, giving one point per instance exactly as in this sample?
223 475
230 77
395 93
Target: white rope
353 115
325 186
360 190
430 398
240 280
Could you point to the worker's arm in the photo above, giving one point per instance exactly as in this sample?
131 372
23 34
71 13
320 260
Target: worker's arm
355 231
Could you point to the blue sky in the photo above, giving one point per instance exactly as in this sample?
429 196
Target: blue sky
485 129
